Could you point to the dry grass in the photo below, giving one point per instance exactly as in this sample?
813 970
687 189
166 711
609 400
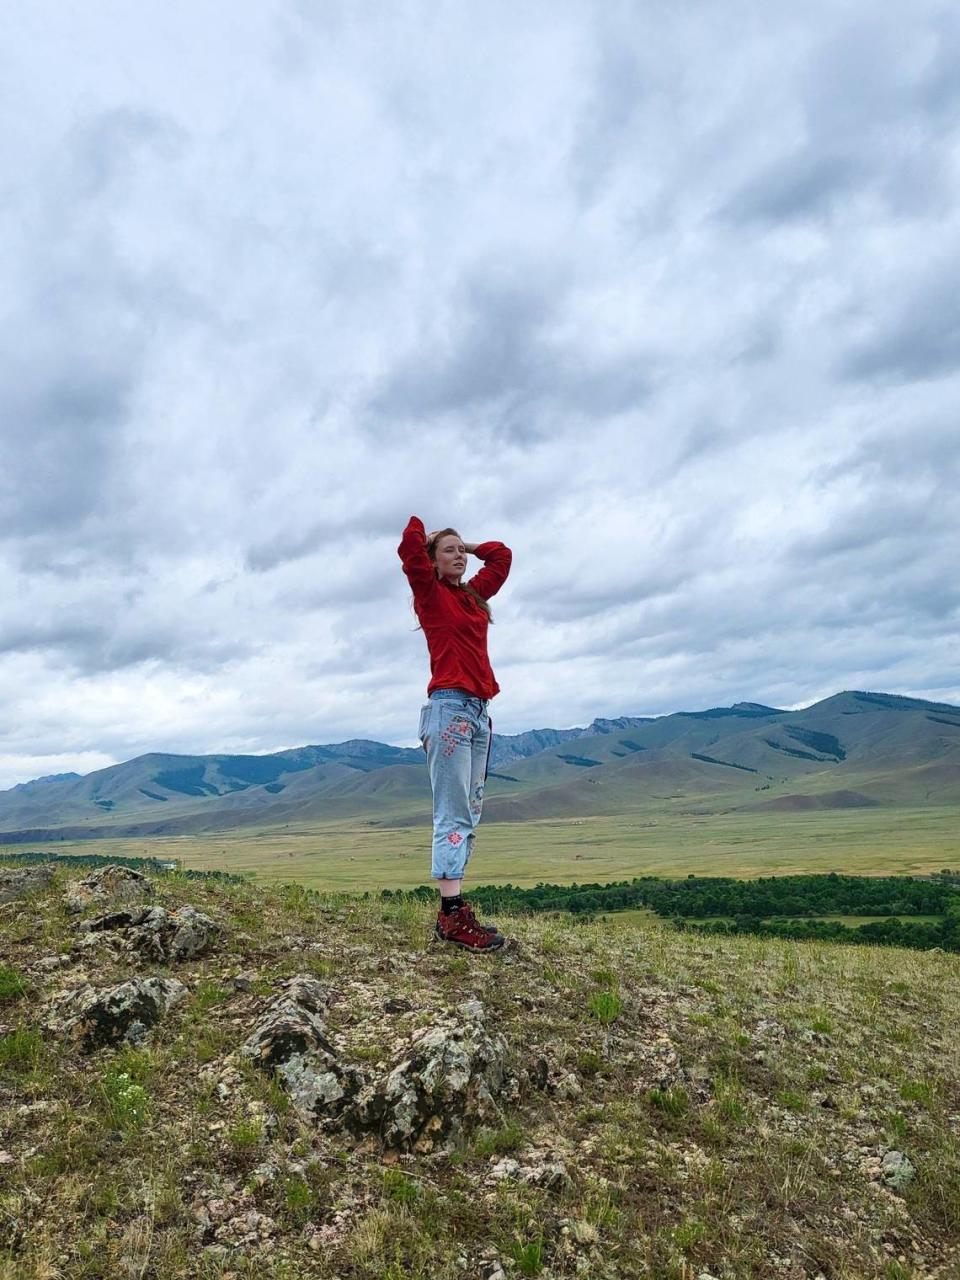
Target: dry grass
727 1102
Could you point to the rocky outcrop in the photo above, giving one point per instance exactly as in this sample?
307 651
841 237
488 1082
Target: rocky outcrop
449 1074
15 884
155 933
112 1015
290 1040
106 885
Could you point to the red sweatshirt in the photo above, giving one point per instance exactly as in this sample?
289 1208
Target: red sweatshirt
452 621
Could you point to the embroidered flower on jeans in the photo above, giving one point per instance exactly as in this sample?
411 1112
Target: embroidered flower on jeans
454 837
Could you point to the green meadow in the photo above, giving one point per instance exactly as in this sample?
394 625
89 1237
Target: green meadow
356 855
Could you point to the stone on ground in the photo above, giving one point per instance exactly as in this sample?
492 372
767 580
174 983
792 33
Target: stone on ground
108 884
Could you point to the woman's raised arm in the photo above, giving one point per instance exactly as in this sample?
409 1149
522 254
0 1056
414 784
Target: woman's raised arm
417 565
497 559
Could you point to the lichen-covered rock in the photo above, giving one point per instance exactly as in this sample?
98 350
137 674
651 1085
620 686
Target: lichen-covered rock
540 1170
156 933
107 884
24 880
896 1170
290 1040
111 1015
449 1074
195 933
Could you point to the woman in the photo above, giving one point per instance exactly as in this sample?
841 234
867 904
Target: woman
455 727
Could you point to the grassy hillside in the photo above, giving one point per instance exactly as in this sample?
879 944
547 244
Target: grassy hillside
672 1106
670 841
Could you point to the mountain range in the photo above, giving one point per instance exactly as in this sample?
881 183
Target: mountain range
854 749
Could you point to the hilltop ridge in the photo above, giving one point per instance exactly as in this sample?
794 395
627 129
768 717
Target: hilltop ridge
608 1100
853 749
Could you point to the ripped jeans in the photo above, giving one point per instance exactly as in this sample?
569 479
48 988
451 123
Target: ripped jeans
455 732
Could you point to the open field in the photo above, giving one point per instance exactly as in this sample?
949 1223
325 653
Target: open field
356 856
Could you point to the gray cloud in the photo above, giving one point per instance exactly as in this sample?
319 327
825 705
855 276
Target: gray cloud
499 355
797 186
665 300
920 339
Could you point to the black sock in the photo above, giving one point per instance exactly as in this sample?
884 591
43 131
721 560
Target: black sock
453 903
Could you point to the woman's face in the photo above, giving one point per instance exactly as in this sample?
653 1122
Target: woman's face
451 557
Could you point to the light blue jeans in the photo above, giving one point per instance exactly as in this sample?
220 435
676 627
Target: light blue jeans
455 732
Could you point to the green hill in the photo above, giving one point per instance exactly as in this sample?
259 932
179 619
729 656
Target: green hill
852 750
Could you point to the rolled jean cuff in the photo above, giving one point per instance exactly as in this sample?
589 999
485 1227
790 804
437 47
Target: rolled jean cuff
450 856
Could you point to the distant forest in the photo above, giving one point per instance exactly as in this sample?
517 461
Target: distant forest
772 906
155 866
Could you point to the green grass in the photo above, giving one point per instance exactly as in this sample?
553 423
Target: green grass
658 839
672 1102
508 1138
528 1256
604 1006
12 985
127 1102
21 1050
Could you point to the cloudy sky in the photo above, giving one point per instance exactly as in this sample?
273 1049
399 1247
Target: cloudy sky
664 295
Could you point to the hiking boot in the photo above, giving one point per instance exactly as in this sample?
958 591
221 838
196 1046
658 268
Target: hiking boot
490 928
464 930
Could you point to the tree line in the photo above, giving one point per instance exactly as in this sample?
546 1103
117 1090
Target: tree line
775 906
155 866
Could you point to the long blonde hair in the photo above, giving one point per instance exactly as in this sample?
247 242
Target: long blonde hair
432 553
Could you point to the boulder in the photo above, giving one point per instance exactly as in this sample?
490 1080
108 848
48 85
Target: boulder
107 884
290 1040
450 1074
112 1015
156 933
24 880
